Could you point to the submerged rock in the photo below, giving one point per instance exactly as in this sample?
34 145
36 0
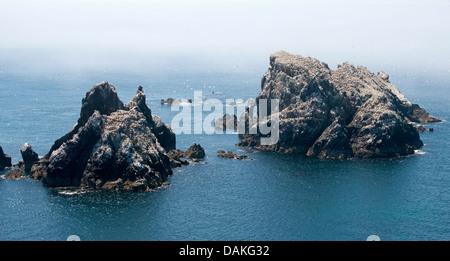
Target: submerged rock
113 146
343 113
5 160
15 174
29 156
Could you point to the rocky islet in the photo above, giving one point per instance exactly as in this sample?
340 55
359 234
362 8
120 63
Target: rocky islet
113 146
336 114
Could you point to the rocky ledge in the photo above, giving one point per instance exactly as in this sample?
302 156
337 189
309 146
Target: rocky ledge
113 146
15 174
342 113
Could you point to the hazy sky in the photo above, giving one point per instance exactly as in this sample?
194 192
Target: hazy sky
387 33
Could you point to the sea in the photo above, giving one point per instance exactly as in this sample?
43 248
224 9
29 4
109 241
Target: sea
266 197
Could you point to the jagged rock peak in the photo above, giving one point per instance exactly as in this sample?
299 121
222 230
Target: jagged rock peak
102 98
139 102
113 146
29 156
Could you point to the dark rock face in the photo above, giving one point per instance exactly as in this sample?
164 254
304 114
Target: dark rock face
15 174
162 131
113 146
5 160
102 98
343 113
228 121
29 156
195 152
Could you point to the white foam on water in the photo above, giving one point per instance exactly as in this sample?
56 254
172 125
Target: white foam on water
71 192
419 152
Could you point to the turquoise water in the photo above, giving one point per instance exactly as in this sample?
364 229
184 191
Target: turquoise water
270 197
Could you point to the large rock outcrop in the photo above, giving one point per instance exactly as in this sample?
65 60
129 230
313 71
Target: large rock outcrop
342 113
112 146
5 160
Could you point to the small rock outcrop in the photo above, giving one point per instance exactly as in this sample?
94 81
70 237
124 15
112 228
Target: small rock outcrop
228 121
421 128
176 158
230 155
29 156
5 160
113 146
342 113
15 174
172 101
195 152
